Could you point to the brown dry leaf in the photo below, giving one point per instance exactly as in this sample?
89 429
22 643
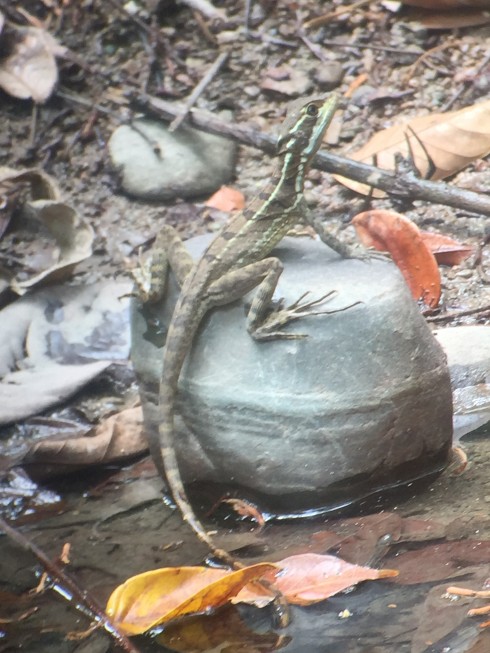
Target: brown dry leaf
453 19
119 436
446 4
28 68
446 250
451 140
48 235
246 509
155 597
393 232
226 199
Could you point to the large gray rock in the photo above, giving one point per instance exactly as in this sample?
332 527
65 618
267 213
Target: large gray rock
362 403
468 355
156 164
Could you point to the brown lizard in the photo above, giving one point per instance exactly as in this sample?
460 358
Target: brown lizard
235 262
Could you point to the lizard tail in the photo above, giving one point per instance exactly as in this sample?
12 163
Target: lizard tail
175 353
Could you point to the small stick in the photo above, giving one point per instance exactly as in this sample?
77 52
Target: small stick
482 310
465 85
33 128
428 53
66 581
198 90
326 18
407 185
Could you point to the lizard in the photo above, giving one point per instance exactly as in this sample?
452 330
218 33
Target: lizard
236 261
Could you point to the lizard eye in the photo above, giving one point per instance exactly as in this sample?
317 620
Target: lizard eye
312 110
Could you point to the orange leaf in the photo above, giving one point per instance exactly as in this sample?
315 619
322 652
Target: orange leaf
157 596
392 232
226 199
308 578
450 141
446 250
246 509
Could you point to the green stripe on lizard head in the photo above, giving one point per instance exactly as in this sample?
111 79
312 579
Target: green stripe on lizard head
305 125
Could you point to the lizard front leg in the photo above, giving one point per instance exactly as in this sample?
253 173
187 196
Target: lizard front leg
262 323
168 250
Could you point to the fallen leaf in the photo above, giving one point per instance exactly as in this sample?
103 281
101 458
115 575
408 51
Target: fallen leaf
393 232
56 340
446 250
439 561
155 597
446 4
453 19
450 141
309 578
117 437
246 509
226 199
28 66
47 235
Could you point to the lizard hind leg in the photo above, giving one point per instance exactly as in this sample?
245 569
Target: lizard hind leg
270 328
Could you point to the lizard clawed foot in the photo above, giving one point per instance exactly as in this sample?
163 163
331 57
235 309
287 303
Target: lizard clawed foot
270 327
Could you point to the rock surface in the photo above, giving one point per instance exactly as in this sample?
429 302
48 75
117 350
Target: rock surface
362 403
468 355
156 164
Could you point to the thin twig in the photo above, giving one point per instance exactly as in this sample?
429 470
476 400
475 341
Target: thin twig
300 32
454 315
326 18
407 186
67 582
369 46
424 56
198 90
466 84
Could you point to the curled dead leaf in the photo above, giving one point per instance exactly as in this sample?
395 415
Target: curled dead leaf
28 67
448 141
117 437
48 234
393 232
155 597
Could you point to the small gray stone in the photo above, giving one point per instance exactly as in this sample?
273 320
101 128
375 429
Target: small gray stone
364 402
468 355
328 75
156 164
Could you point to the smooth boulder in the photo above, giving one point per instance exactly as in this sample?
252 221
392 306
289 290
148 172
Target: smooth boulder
361 404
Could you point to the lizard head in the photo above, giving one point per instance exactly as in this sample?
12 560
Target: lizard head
305 125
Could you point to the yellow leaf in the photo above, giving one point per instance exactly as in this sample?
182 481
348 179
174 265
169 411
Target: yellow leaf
155 597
